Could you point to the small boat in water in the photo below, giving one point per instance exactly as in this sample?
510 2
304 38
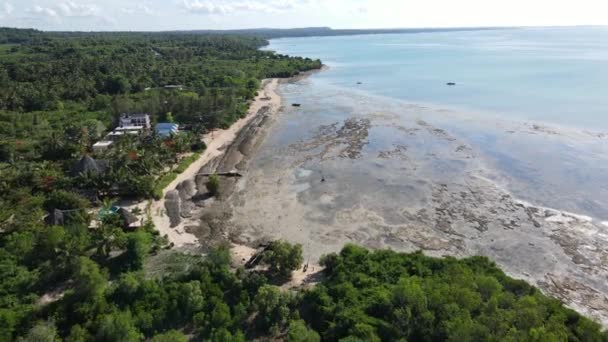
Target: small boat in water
296 105
451 83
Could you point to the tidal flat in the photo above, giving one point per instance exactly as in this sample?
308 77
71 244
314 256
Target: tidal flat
346 167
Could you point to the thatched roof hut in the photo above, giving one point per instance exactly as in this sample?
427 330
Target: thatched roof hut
87 164
130 221
55 218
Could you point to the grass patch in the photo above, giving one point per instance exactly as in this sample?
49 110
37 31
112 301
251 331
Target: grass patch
165 180
169 263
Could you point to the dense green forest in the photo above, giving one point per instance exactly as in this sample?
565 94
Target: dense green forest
62 92
60 279
363 296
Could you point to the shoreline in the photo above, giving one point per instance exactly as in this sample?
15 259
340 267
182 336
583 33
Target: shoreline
216 141
558 251
215 221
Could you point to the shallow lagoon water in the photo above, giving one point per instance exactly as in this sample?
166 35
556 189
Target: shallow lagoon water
558 75
531 102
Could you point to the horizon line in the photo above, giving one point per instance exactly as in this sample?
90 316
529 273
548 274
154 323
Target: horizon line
328 28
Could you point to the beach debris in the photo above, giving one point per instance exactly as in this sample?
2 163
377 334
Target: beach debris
230 174
256 258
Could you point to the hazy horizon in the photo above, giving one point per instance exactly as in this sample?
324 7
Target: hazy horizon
157 15
314 27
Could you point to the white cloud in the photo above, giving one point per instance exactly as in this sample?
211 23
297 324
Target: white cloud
73 9
138 9
7 9
44 11
67 9
230 14
207 7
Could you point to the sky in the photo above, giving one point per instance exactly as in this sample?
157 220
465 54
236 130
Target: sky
158 15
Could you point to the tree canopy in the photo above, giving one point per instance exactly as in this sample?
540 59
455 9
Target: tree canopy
389 296
59 94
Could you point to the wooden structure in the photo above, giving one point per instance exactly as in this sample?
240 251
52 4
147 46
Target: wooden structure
230 174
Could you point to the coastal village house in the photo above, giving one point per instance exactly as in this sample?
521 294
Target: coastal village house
135 120
129 124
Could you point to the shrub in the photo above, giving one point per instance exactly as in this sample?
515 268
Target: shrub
213 185
283 257
165 180
65 200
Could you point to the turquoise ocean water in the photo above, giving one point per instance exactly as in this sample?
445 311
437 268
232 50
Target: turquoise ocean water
557 75
531 103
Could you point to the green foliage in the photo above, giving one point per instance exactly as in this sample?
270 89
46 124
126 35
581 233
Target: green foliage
273 308
162 183
139 245
41 332
299 332
390 296
90 280
169 177
65 200
185 163
283 258
213 185
170 336
221 71
118 326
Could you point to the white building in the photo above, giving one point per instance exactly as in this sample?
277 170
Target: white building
102 145
135 120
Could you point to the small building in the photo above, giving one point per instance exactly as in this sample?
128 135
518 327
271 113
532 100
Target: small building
135 120
165 129
102 145
115 136
55 218
130 221
58 217
88 165
130 129
119 133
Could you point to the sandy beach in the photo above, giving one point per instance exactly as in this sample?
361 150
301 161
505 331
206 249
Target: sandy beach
216 142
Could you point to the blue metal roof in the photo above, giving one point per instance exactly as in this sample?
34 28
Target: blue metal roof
166 125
